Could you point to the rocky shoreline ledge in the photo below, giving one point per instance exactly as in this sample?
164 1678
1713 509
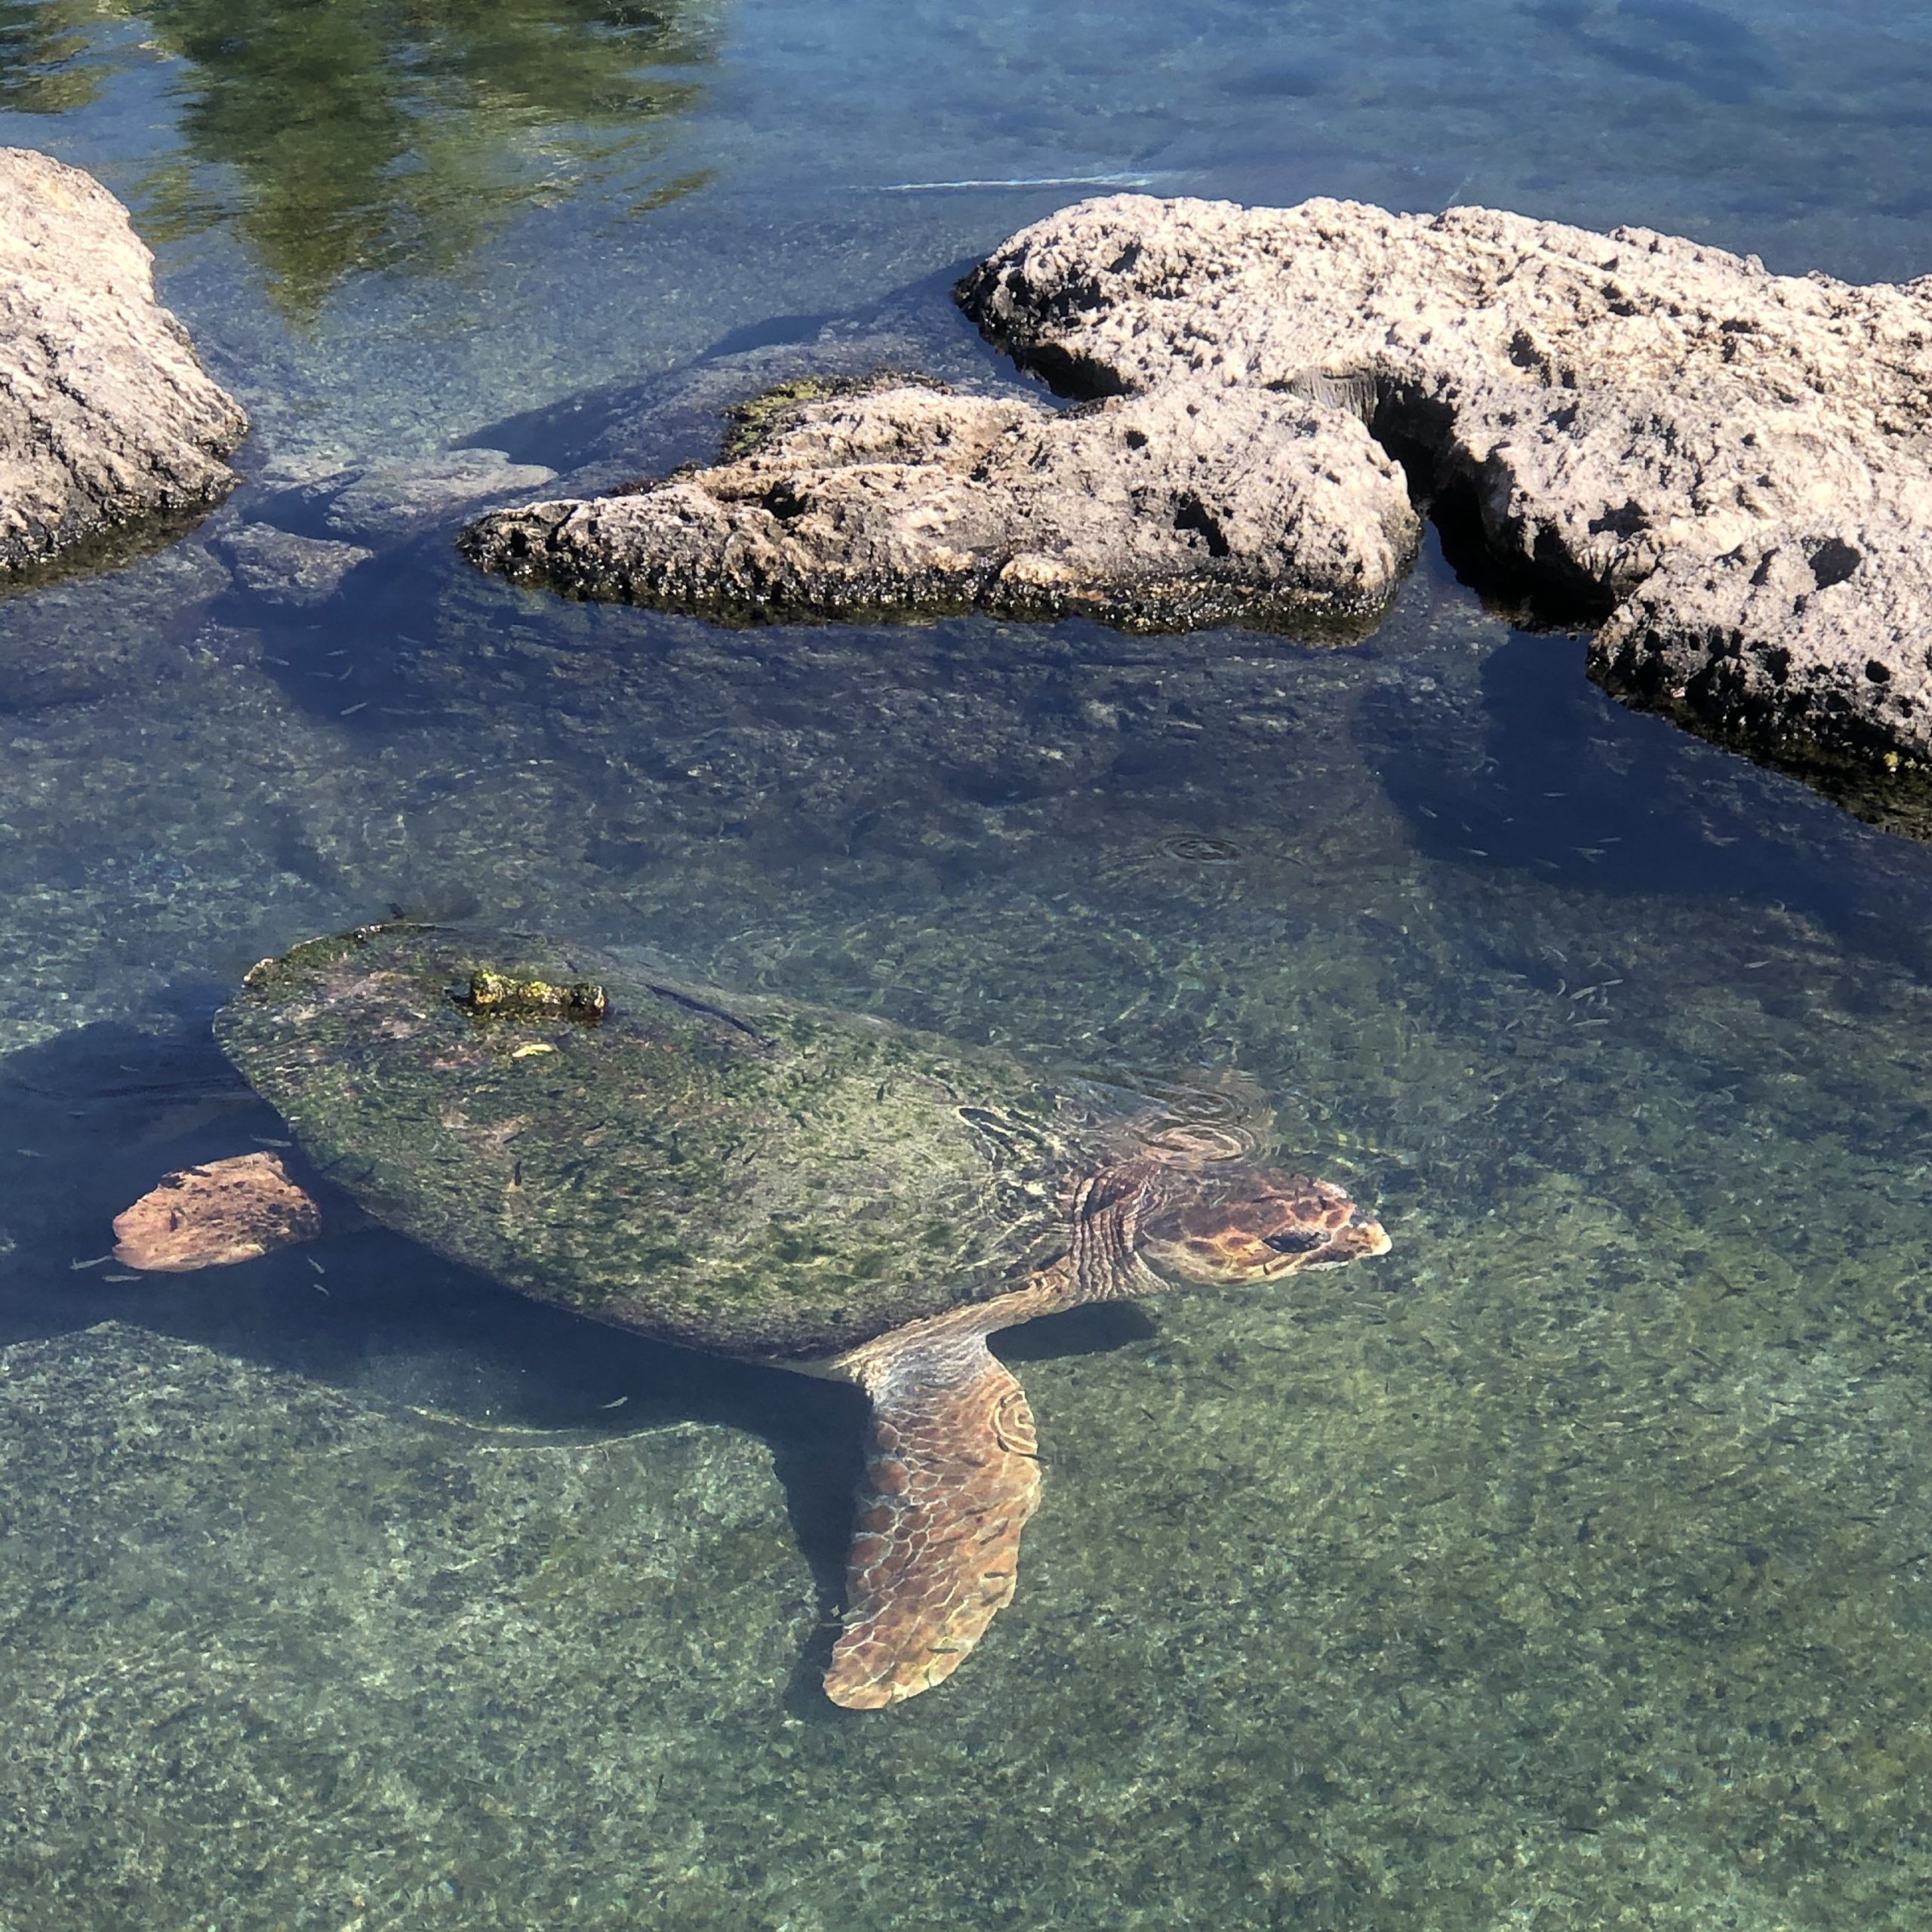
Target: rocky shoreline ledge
896 499
1725 471
111 434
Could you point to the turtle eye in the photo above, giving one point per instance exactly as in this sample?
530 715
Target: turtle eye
1293 1240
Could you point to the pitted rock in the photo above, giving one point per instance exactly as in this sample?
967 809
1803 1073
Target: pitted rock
1728 473
1158 512
1731 465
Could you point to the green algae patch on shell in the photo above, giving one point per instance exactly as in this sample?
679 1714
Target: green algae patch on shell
746 1174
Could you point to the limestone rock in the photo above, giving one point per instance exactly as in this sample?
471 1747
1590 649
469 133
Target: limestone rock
107 418
1150 513
602 440
1723 470
1730 467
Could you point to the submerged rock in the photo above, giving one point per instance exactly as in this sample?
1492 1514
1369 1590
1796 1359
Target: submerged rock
389 503
1723 469
284 568
302 541
107 421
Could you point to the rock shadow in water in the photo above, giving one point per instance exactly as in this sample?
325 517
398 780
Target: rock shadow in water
1718 56
1551 776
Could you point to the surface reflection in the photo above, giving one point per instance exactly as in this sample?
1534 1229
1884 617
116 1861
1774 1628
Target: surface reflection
370 134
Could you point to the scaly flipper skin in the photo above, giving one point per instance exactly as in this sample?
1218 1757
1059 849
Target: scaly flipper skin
952 1475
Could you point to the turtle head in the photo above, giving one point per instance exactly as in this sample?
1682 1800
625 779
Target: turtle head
1231 1223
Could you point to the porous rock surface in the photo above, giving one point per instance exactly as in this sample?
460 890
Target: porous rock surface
1148 512
1732 465
1726 469
107 418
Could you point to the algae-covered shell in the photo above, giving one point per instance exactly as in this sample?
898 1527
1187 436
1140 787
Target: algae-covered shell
746 1174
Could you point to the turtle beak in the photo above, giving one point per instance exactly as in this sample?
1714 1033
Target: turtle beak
1371 1236
1362 1240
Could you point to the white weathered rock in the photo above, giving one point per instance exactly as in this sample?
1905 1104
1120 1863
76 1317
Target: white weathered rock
1736 467
1147 513
107 418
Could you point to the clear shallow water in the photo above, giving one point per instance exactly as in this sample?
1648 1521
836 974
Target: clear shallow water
1569 1567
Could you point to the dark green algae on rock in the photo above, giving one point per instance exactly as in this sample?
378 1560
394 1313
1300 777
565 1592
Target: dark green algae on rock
746 1174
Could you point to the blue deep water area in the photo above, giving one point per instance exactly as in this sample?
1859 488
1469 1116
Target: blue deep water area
1570 1566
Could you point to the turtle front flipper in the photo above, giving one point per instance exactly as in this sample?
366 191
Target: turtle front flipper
952 1475
213 1215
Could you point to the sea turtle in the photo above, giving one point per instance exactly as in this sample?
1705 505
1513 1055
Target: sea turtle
760 1178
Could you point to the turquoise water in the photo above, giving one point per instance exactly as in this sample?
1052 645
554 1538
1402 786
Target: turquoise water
1571 1566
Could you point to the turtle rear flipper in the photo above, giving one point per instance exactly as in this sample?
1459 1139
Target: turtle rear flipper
952 1475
